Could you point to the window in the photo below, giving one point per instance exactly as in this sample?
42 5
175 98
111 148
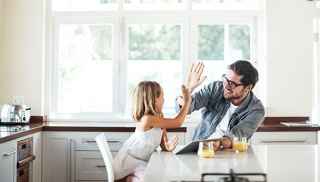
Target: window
222 41
101 49
85 56
154 52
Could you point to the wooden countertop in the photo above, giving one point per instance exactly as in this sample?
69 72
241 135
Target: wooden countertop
271 124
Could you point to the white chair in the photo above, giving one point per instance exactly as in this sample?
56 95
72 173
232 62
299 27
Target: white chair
106 155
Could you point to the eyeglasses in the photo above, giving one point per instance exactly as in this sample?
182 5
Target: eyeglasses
231 83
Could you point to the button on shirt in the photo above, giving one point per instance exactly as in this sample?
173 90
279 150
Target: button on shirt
222 127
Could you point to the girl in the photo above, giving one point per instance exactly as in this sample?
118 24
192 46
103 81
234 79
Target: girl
132 158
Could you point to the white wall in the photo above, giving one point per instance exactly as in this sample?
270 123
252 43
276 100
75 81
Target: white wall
1 35
22 52
289 57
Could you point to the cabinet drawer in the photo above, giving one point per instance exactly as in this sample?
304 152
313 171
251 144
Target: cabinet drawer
90 166
87 142
284 138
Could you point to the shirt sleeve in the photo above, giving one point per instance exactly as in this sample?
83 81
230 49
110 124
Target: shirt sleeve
248 125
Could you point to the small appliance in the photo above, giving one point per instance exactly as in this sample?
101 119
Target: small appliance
14 114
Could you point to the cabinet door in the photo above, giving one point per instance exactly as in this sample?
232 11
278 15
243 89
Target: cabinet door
8 162
86 141
56 158
292 159
90 166
36 164
272 138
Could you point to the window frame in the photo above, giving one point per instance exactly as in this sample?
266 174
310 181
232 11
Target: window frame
188 18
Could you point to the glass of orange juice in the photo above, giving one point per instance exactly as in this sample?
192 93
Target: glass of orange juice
205 149
240 145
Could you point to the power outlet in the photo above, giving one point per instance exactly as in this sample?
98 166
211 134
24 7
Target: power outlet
18 100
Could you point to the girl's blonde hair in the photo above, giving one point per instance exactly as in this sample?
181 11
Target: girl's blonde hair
144 99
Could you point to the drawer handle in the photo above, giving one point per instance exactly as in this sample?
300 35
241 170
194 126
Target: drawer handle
109 141
90 141
101 166
8 154
113 141
283 141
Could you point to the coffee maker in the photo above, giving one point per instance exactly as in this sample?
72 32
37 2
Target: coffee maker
14 114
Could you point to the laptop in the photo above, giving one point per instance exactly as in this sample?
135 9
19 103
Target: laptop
191 147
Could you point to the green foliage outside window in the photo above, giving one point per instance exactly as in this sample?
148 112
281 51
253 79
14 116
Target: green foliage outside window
154 42
211 42
240 39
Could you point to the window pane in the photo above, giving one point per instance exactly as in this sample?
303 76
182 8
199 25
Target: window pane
239 36
154 4
167 73
211 42
84 68
154 42
226 4
154 54
84 5
214 70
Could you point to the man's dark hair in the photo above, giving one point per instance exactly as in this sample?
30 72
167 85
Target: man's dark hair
248 73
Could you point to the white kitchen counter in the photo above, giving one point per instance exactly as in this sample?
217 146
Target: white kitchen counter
289 163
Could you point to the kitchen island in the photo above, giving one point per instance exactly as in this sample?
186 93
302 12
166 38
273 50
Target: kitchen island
281 163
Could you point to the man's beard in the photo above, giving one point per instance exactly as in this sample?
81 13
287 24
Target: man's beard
230 97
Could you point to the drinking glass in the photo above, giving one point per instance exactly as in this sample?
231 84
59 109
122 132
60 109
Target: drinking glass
205 149
240 145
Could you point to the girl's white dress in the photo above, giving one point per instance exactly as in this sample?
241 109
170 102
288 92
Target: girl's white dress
135 152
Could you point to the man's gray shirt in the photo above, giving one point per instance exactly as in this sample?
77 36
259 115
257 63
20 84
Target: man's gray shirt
243 122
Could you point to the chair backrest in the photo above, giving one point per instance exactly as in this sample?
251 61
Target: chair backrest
106 155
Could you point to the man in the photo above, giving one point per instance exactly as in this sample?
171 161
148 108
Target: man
229 107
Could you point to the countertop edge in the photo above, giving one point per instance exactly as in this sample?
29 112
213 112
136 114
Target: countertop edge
44 127
85 128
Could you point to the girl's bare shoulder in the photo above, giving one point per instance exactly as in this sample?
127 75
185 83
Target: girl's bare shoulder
148 118
146 122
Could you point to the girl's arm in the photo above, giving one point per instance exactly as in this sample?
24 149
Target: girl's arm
168 145
159 122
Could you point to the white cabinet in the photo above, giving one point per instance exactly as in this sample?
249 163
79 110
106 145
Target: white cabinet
86 141
288 163
285 138
37 151
74 156
56 157
8 162
90 166
88 162
8 159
